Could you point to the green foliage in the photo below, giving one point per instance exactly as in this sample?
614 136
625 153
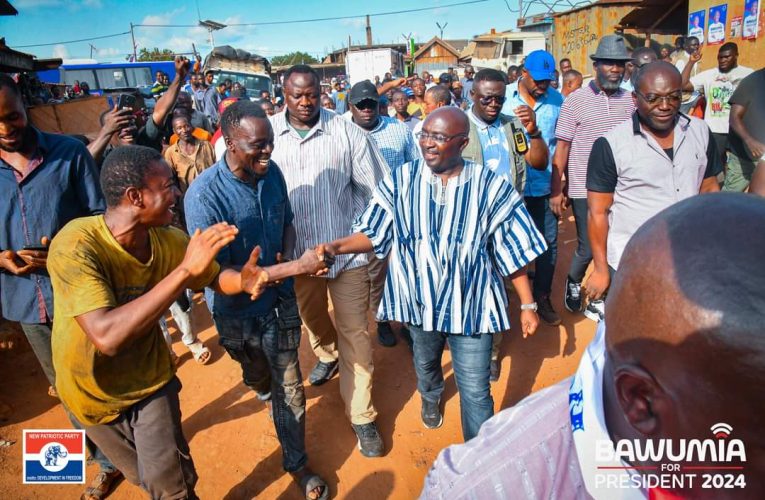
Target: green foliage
155 54
293 58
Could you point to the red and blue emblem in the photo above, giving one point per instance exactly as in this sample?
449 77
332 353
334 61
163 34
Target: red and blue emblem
54 456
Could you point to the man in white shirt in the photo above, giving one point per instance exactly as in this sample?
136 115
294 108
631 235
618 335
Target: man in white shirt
716 30
718 84
697 29
750 21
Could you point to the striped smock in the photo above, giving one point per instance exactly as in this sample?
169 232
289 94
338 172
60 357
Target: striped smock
449 247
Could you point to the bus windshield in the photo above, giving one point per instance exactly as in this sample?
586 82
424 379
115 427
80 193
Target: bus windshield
252 83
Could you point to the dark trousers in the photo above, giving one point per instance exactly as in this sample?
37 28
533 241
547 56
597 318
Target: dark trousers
269 360
146 443
471 356
39 337
547 224
583 254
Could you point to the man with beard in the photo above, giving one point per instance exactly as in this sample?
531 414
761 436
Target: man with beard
453 229
586 115
642 166
533 90
46 180
331 167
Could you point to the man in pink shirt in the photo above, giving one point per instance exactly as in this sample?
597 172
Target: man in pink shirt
685 362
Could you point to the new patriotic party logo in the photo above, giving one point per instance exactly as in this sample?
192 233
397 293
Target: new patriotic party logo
54 456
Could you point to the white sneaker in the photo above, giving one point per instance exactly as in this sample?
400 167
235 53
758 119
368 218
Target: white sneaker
595 310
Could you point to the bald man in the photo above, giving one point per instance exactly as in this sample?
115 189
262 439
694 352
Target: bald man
572 80
459 228
643 165
665 365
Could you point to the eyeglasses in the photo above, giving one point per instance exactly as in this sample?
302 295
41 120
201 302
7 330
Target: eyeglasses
437 138
671 99
499 99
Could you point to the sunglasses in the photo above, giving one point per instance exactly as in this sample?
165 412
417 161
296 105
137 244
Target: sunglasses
366 104
499 99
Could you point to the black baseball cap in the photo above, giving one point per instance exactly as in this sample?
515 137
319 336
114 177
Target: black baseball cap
362 91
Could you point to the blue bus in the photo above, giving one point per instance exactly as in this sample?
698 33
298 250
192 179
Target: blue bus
103 76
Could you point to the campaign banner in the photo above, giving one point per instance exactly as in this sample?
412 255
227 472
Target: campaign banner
54 456
696 24
751 19
735 26
716 29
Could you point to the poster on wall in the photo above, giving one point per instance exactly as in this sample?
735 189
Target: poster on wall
751 19
696 24
735 26
716 30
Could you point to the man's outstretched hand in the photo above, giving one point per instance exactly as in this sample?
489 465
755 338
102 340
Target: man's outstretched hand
254 278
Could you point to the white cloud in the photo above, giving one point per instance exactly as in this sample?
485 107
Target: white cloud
109 51
60 51
164 18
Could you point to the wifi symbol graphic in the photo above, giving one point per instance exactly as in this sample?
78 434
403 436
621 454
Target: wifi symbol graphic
721 430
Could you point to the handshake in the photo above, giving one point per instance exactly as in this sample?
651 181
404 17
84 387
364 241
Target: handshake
316 261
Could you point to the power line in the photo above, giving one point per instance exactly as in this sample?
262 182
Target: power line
72 41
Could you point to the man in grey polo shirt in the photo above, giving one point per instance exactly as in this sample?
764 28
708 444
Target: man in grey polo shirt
643 165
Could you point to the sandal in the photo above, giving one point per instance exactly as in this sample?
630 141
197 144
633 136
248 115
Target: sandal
310 482
101 485
200 352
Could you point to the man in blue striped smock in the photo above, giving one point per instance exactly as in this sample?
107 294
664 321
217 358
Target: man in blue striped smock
452 229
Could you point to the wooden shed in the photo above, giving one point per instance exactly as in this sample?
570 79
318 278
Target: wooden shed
576 32
435 56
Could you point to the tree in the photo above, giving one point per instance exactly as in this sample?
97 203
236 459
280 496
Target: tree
293 58
155 54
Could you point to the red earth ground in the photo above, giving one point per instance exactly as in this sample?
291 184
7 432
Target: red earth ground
234 444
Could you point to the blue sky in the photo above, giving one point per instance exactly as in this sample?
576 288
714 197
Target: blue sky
49 21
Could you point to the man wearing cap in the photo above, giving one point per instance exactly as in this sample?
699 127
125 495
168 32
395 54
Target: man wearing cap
396 143
533 90
331 168
586 115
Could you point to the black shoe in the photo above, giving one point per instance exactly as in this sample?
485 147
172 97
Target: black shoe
385 334
595 310
370 442
546 312
322 372
407 336
573 296
494 371
431 414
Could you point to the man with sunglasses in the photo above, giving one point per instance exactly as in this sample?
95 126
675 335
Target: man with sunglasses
586 115
452 229
645 164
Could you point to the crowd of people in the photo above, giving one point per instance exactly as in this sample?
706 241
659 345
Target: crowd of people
425 202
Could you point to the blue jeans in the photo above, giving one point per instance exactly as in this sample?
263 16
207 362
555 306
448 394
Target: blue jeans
547 224
470 359
269 359
39 336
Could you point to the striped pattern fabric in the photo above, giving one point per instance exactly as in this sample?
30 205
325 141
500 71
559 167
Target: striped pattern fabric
586 115
330 175
395 142
447 259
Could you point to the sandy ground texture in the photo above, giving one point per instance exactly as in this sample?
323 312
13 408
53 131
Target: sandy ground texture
234 444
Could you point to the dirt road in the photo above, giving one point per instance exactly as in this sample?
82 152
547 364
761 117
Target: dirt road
234 444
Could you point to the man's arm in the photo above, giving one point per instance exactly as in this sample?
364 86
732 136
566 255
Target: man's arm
538 155
399 82
355 243
686 73
529 318
113 329
114 121
714 166
166 103
598 205
757 185
558 200
756 148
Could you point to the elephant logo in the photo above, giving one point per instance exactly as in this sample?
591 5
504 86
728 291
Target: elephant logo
55 457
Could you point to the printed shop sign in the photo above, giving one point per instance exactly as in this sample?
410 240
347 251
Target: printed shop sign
54 456
716 29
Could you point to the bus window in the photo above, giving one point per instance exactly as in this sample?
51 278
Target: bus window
68 76
139 77
110 78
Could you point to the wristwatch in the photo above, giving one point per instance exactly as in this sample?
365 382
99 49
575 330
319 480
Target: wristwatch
529 307
536 134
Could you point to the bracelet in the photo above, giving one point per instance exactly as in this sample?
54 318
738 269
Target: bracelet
536 135
529 307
